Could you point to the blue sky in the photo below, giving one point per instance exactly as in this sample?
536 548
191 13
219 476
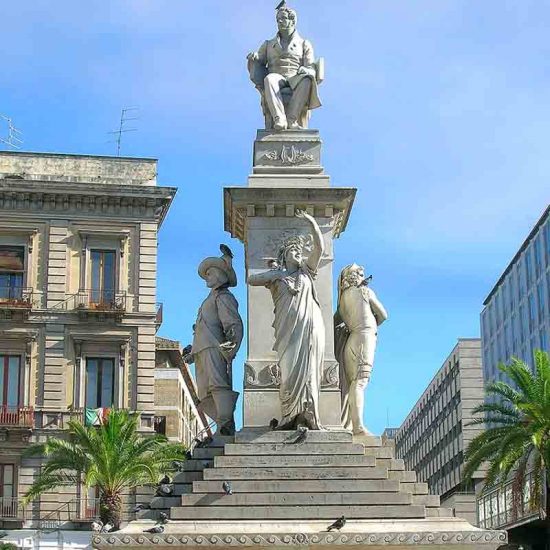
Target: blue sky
438 112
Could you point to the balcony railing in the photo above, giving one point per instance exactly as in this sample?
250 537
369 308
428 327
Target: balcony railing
10 508
15 297
17 416
104 301
506 506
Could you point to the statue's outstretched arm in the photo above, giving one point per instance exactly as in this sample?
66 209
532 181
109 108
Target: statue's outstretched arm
264 279
318 242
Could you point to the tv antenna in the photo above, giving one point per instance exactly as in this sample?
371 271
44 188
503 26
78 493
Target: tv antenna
13 138
122 129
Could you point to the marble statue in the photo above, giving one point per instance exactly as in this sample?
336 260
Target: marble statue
285 73
358 316
299 327
218 333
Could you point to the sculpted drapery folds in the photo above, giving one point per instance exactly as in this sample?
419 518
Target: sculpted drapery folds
356 322
286 75
218 333
299 327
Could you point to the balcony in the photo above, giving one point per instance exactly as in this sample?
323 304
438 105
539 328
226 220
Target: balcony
16 417
15 299
11 509
507 507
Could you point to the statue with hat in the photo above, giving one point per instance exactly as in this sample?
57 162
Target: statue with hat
218 333
286 74
356 321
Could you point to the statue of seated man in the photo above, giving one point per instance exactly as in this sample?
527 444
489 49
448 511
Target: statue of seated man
286 75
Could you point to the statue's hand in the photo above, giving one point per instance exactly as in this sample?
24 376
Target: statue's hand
253 56
302 70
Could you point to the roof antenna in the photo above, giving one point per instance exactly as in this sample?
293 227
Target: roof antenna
124 118
13 138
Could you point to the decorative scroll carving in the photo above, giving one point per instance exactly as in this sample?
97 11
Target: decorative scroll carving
331 376
268 377
476 540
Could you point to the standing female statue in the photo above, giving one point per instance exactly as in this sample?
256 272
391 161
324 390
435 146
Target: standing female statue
299 327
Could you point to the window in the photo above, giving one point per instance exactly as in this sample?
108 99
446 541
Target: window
528 267
532 312
100 382
538 256
10 375
160 425
103 280
12 269
7 485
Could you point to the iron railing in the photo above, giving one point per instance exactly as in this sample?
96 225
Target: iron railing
100 300
505 505
16 416
15 297
11 508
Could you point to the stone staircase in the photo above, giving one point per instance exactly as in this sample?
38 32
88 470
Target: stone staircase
274 478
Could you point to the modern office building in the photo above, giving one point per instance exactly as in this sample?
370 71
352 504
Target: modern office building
515 321
78 309
434 436
176 400
516 315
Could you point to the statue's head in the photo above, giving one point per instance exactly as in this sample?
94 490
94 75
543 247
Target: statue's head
352 275
286 20
291 253
219 272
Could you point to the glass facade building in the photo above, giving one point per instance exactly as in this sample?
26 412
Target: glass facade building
515 319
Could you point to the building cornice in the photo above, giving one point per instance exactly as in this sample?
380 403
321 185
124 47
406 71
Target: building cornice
85 199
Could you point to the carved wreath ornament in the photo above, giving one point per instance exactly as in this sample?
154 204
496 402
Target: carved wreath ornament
289 155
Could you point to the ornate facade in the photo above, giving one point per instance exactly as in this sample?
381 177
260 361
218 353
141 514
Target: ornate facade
78 307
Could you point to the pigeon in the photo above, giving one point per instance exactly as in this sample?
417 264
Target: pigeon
97 526
302 436
140 507
338 524
165 480
155 530
165 489
273 423
225 250
107 528
163 518
227 488
281 5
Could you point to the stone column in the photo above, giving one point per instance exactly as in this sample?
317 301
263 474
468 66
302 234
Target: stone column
287 174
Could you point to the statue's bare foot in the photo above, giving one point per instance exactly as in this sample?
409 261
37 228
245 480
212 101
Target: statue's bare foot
293 125
279 124
361 431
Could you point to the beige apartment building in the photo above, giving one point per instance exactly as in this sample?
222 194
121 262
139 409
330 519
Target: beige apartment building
433 438
176 399
78 306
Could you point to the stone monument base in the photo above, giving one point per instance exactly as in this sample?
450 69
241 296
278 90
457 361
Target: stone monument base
287 491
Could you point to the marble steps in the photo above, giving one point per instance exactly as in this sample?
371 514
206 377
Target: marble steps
301 486
305 448
417 488
259 436
296 461
297 499
298 474
216 513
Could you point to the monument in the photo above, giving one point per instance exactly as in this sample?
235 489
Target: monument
294 476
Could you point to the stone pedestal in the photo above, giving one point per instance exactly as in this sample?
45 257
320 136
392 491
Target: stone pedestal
287 175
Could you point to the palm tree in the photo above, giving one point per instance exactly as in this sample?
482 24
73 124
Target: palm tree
113 457
518 435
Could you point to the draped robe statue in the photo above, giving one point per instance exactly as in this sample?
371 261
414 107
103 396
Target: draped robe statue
299 328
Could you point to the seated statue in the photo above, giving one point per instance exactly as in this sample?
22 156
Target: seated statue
285 73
